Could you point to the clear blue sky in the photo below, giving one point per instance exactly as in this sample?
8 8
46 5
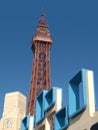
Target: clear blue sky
74 28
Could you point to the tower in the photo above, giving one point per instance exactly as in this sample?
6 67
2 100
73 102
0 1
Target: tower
40 80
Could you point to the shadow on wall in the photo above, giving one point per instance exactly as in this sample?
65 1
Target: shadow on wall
94 127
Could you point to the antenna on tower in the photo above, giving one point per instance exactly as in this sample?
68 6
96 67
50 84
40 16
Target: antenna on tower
43 9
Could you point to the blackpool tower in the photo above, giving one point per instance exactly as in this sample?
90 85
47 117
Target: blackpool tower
40 80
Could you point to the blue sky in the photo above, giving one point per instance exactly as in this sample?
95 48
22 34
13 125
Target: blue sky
74 27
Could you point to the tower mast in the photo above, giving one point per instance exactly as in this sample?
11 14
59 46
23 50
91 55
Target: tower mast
40 80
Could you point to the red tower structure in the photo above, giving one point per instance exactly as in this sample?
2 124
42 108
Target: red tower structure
41 44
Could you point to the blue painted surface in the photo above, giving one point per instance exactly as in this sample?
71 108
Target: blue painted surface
40 106
74 93
26 122
50 98
61 121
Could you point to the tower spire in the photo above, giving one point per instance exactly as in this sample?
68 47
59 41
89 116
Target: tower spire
42 33
40 80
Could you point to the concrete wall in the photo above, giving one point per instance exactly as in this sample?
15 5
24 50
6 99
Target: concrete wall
14 111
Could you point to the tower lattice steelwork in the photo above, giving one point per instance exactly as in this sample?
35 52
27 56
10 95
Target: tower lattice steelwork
41 44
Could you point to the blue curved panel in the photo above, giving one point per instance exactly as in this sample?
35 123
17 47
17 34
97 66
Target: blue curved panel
26 122
50 98
77 93
61 119
40 106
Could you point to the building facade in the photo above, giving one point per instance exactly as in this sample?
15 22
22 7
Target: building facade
14 111
78 114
